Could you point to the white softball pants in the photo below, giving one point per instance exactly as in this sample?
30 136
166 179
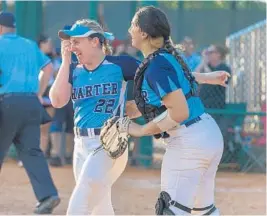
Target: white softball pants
95 173
190 164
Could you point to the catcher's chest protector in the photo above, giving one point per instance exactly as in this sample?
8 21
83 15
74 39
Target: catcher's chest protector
149 111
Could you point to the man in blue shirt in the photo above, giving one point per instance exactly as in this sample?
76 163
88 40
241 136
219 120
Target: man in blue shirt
21 112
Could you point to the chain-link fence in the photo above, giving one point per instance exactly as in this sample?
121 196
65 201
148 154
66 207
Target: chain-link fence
245 138
248 63
240 108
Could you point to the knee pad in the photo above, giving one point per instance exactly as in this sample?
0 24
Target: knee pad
164 202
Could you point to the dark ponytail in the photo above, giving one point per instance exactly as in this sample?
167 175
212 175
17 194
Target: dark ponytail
168 45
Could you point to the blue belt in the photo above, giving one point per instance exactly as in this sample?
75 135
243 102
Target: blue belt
88 132
192 121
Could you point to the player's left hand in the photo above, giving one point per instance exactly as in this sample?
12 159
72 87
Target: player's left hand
114 136
217 78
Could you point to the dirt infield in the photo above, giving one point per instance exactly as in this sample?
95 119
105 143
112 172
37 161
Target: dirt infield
135 192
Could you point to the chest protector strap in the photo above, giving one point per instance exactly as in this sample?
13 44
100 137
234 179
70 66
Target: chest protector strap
149 111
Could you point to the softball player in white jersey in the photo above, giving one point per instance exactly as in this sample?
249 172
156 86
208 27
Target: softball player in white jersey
165 95
97 88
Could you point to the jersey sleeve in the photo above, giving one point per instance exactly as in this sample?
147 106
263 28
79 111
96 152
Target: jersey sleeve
162 77
128 65
130 69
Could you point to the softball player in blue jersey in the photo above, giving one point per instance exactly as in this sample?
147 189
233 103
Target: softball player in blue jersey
97 88
165 95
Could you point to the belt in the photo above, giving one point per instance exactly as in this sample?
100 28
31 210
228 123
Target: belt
192 121
5 95
92 132
185 125
87 132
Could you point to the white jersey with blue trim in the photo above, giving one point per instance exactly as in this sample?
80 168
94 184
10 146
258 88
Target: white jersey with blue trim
100 94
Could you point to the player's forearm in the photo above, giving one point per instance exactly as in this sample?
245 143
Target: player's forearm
166 121
61 89
201 78
148 129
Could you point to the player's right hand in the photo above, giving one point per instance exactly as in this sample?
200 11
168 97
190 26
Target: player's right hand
66 51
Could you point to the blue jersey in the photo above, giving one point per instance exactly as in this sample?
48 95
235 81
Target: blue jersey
99 94
20 64
163 76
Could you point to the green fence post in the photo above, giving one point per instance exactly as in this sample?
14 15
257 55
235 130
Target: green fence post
35 19
20 9
93 9
29 18
145 148
4 5
133 7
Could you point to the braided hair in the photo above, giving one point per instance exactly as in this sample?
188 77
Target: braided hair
168 45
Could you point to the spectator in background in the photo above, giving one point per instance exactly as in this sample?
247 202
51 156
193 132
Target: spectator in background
62 127
115 44
46 46
192 58
125 48
120 47
213 96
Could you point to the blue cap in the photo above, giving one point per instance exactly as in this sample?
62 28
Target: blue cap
7 19
67 27
79 31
